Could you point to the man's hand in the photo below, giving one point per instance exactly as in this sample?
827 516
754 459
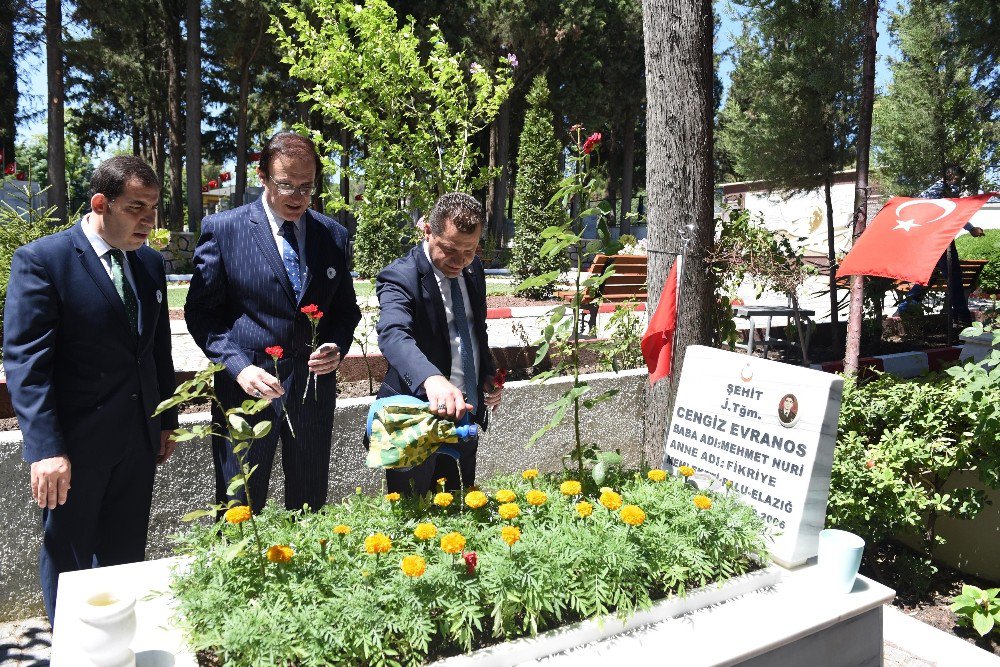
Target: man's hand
446 400
325 359
50 481
167 446
258 383
976 231
492 394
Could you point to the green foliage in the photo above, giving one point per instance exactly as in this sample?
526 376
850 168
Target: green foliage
413 101
900 441
987 247
383 234
622 350
931 115
335 604
537 182
19 226
32 158
978 608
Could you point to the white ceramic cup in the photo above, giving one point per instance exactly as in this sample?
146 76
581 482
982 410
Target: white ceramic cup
108 626
839 559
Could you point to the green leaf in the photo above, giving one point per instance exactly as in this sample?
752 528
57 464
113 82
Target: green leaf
983 623
195 514
261 429
599 473
233 550
235 484
240 427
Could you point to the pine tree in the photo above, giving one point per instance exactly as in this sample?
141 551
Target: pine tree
537 180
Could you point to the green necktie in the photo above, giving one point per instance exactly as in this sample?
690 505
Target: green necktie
124 288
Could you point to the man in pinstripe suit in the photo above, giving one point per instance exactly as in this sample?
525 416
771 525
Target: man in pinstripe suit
255 267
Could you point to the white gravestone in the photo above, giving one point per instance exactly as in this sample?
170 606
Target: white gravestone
767 428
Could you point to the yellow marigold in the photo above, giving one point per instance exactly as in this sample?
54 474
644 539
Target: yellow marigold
341 529
392 497
570 488
530 473
509 510
505 496
476 499
413 566
687 471
441 481
379 543
237 514
425 531
452 543
584 509
536 497
280 553
656 475
702 502
611 500
633 515
443 499
510 535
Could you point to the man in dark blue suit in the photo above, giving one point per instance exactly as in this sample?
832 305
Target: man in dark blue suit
432 333
87 356
255 268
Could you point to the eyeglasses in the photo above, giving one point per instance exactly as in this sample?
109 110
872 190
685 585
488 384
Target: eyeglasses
287 189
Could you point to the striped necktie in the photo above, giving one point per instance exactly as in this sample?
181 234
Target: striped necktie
123 288
290 257
461 322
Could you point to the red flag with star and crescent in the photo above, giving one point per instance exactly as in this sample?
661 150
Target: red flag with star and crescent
908 236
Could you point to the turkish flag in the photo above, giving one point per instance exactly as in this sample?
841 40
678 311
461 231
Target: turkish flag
658 341
10 168
908 236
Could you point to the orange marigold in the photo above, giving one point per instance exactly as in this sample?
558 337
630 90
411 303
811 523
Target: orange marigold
509 510
443 499
570 488
392 497
341 529
476 499
505 496
379 543
413 566
237 514
687 471
536 497
633 515
584 509
452 543
280 553
656 475
702 502
530 473
510 535
425 531
611 500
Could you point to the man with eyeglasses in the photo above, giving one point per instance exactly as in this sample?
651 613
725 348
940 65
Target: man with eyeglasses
255 268
87 357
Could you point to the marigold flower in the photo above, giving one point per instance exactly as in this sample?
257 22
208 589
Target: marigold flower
425 531
536 497
509 510
476 499
530 473
443 499
656 475
280 553
570 488
584 509
452 543
633 515
379 543
341 529
687 471
510 535
237 514
505 496
413 566
611 500
702 502
274 351
392 497
441 481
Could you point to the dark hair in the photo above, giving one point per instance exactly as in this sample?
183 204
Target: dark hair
463 210
954 170
111 177
291 144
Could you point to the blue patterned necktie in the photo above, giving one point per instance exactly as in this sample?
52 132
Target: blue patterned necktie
290 257
123 288
461 322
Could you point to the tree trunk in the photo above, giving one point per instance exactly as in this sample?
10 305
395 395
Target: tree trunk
158 148
835 340
241 116
628 169
193 119
317 123
678 42
56 117
496 199
175 121
861 188
345 181
8 83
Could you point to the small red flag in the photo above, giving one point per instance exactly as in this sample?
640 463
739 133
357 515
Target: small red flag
658 341
908 236
10 168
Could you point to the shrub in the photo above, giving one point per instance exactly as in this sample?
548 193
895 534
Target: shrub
984 247
383 235
407 601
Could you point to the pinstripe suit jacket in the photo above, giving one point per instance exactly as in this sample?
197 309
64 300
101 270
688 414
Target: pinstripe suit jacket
241 299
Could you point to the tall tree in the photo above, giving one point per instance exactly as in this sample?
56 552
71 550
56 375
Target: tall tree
8 80
679 182
56 108
193 113
173 51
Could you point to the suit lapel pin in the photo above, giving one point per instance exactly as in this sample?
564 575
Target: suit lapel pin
331 272
159 296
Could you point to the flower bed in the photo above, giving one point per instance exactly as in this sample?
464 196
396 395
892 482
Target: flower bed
393 581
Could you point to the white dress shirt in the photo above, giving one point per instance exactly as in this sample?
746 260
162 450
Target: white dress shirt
278 233
457 377
102 248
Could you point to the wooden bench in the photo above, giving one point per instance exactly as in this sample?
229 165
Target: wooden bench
971 268
626 283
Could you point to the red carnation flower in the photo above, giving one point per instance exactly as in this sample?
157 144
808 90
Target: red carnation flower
591 143
274 351
317 315
500 377
470 561
310 309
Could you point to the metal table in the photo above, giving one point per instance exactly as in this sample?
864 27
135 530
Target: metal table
749 313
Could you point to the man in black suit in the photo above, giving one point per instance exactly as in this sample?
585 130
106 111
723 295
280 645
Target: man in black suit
87 356
432 333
